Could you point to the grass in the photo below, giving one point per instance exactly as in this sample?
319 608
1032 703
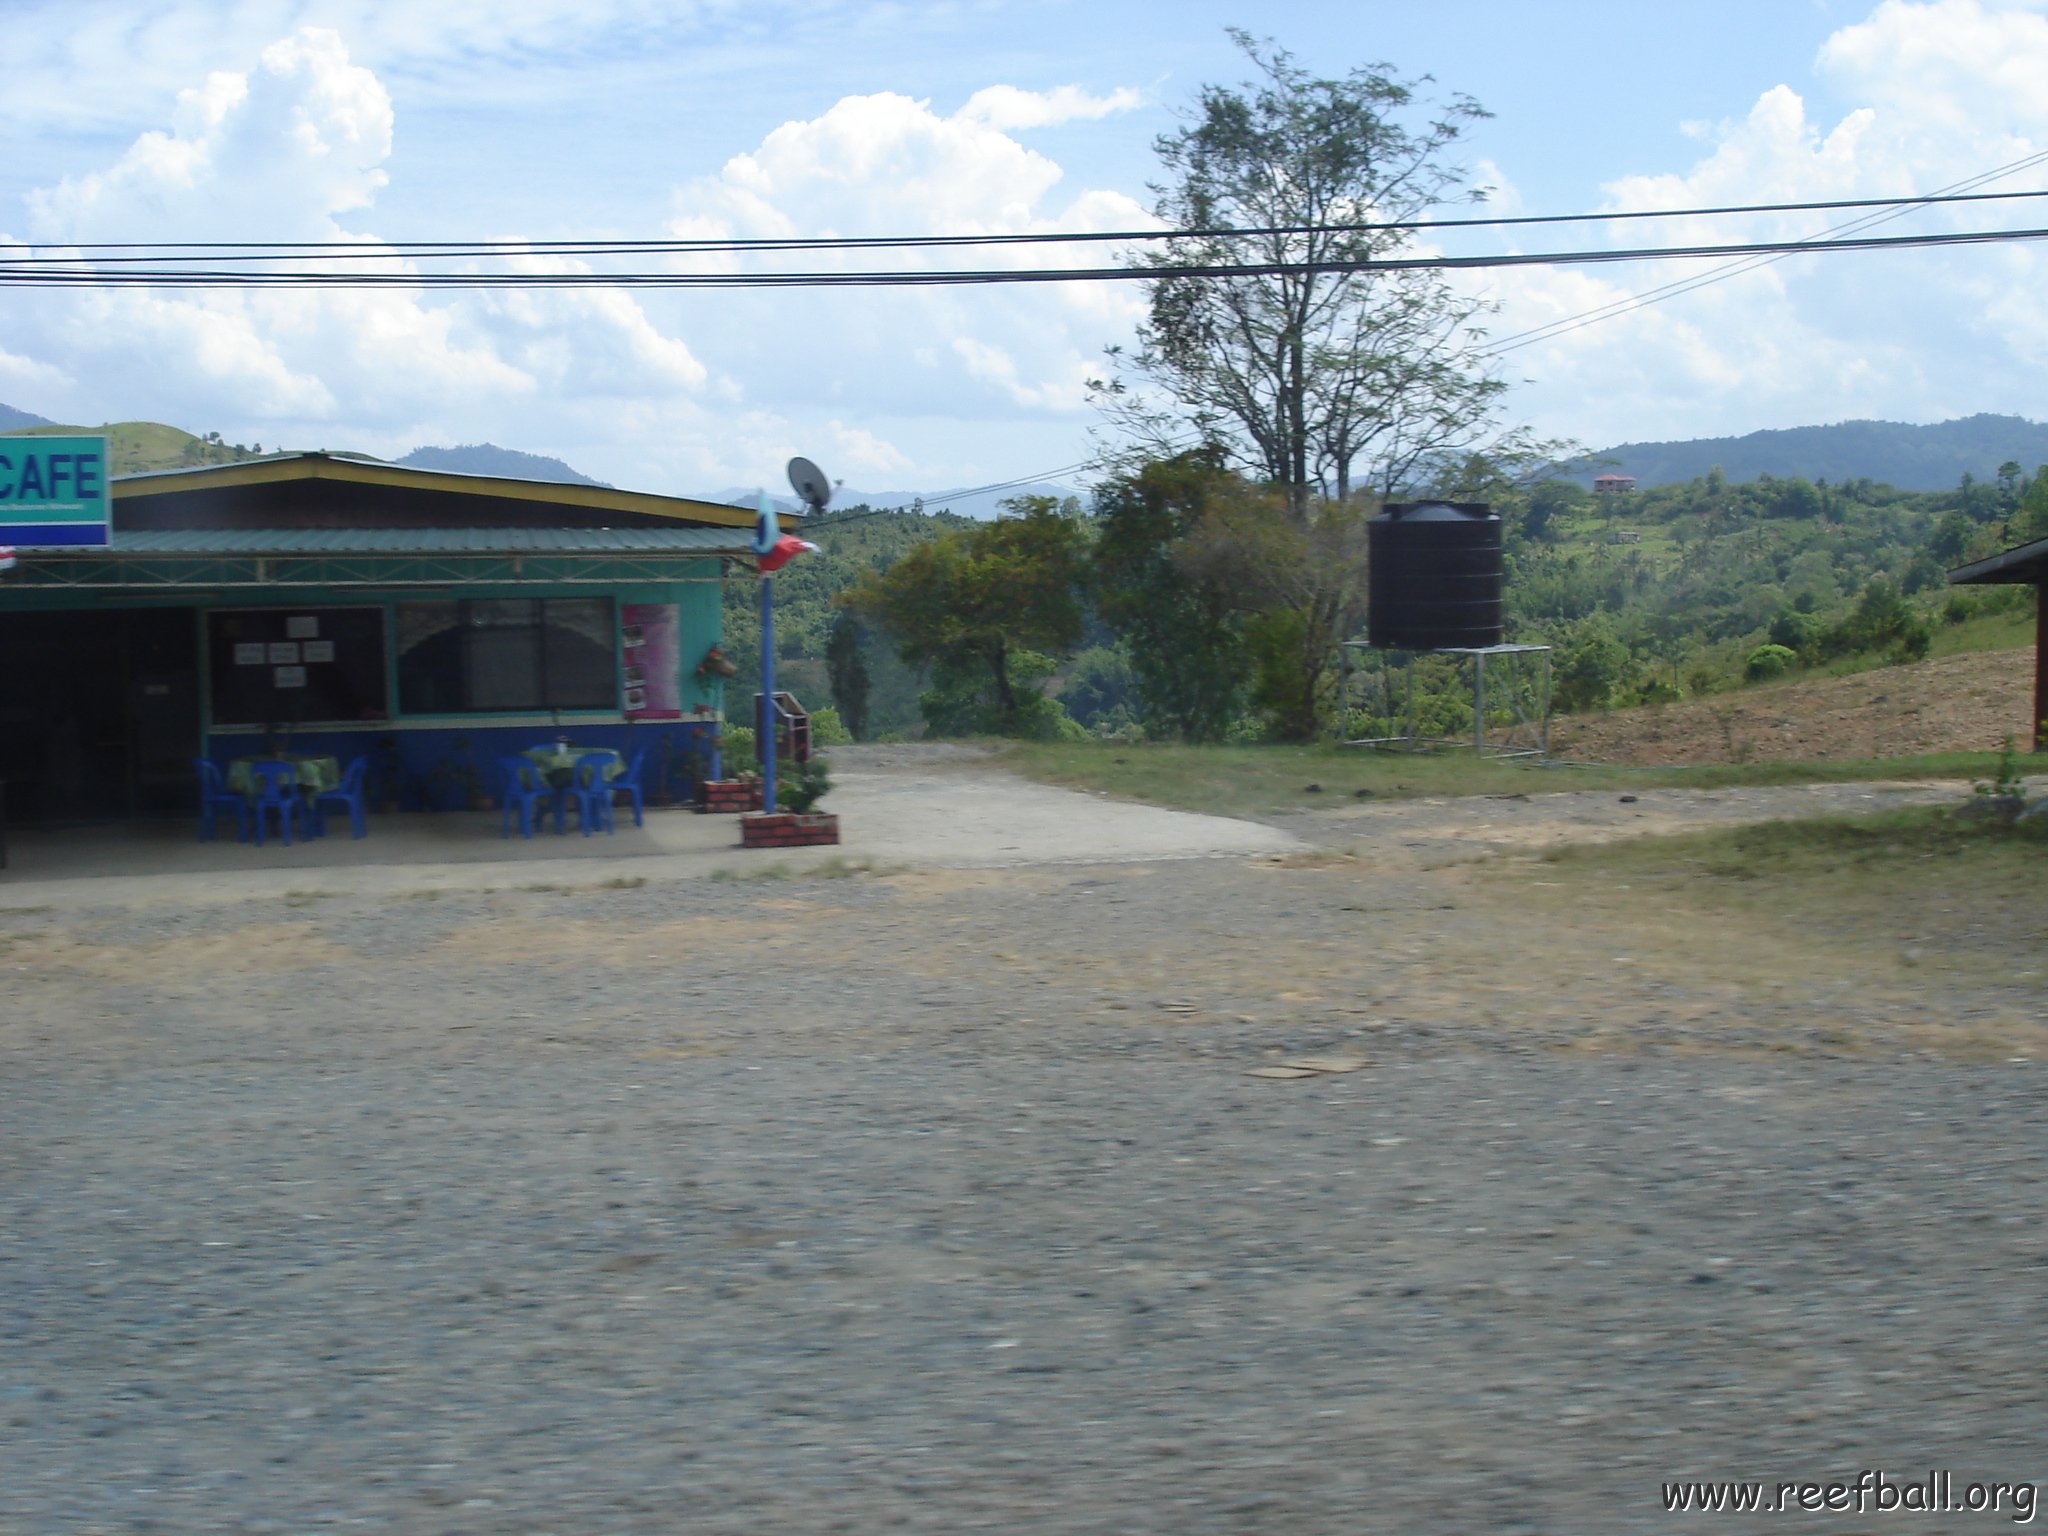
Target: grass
2006 631
1263 779
1968 891
1854 849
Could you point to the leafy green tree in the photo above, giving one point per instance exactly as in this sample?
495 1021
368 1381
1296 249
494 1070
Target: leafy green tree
2009 485
1326 364
1298 583
1548 501
847 671
1180 631
2030 518
976 601
1588 664
1102 690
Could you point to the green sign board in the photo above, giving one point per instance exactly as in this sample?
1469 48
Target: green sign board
53 491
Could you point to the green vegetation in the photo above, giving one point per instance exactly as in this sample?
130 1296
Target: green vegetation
139 446
1922 458
983 606
1257 780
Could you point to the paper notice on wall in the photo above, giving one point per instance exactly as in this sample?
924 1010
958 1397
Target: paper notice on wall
302 626
653 664
249 653
284 653
289 677
317 650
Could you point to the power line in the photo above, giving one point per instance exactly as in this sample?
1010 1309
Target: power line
11 275
403 250
1671 290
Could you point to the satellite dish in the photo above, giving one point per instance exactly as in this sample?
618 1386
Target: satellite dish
810 483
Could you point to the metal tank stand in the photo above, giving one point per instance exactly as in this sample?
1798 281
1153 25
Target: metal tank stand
1515 690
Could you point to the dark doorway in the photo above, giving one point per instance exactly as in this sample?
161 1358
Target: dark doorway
99 713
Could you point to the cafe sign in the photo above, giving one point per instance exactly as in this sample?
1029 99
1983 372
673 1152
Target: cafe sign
53 491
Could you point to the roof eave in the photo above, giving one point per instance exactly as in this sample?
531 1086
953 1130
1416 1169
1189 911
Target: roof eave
2020 566
324 466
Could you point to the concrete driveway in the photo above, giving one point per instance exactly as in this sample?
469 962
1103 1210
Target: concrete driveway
899 807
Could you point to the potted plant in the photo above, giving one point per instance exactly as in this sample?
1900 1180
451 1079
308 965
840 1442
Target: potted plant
795 822
805 785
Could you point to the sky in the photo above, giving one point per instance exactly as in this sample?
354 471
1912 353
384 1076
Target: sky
374 121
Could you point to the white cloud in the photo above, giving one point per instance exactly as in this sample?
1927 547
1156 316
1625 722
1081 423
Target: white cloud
1940 91
1006 107
278 152
885 164
860 452
273 154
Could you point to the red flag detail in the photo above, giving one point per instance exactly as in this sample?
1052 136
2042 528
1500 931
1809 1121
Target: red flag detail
786 549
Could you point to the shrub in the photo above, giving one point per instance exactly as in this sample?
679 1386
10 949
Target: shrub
802 785
1768 661
828 730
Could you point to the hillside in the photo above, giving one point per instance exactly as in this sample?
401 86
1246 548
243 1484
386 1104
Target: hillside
1965 703
490 459
1911 458
136 447
13 420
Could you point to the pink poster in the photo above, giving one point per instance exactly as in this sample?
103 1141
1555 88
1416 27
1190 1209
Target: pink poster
654 674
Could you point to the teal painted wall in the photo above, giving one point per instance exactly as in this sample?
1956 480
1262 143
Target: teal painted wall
432 762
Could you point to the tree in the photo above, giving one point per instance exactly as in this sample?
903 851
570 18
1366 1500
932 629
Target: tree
1322 368
1298 584
1180 631
985 605
847 672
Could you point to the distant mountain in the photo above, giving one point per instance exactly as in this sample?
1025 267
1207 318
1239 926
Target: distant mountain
12 420
490 459
1913 458
986 504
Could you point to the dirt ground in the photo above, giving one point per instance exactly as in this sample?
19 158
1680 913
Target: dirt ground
1967 703
955 1198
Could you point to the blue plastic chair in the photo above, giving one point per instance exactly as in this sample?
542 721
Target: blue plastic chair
629 782
349 795
217 800
524 790
590 793
277 789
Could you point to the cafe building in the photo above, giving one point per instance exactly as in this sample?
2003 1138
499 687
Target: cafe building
431 623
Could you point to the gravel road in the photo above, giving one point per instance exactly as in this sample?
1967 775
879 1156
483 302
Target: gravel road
943 1201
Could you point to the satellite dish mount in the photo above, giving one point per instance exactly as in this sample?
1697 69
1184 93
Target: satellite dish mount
810 484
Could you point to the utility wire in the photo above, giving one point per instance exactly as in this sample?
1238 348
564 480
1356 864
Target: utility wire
12 275
1671 290
400 250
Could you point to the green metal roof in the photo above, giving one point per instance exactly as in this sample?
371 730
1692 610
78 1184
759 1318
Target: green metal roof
422 541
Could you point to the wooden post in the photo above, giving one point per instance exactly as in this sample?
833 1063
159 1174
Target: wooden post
2041 662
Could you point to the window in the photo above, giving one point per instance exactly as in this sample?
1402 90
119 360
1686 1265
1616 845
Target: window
506 654
295 666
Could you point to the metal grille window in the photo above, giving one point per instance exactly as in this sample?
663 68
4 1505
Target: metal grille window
507 654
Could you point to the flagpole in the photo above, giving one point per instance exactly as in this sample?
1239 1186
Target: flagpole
764 722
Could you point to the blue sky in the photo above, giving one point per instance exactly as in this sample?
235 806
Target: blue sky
249 119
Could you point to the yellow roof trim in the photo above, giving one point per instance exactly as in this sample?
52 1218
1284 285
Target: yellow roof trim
595 498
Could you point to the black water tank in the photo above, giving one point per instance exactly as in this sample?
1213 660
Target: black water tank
1434 577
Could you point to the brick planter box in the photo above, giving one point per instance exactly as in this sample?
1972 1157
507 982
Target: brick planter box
729 796
786 829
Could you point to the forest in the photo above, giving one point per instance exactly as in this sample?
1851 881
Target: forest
1680 590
